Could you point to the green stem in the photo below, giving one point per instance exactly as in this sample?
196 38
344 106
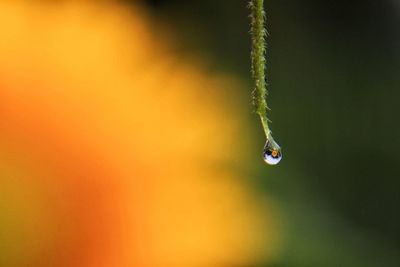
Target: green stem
258 60
258 34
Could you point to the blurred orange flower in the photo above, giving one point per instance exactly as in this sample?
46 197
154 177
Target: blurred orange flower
111 146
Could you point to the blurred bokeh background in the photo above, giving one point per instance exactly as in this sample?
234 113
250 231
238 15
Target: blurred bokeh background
127 136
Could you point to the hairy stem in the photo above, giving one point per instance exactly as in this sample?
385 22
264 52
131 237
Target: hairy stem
258 33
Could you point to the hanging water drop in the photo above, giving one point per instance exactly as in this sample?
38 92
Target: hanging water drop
272 153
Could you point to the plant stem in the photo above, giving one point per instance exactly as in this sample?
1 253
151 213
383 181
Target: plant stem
258 34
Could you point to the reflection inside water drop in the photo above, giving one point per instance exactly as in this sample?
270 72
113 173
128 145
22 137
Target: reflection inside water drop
272 153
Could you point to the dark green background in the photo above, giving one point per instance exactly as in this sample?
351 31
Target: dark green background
334 76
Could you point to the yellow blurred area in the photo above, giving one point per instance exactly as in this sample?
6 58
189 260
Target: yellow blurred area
110 145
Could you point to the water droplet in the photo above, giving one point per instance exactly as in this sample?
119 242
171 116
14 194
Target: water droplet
272 153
